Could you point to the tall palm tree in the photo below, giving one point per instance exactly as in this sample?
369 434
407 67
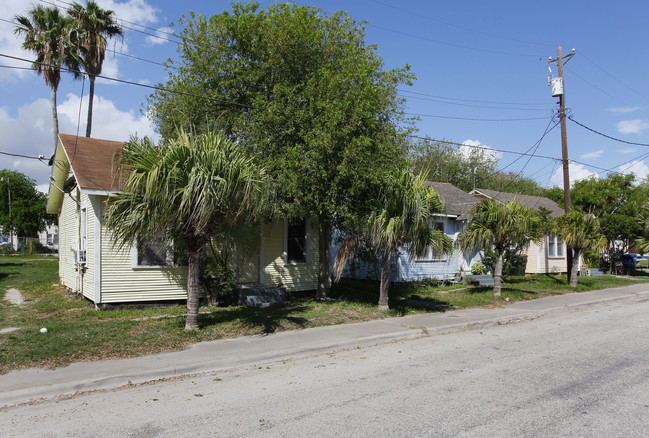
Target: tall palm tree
93 25
579 231
45 33
188 189
500 227
402 220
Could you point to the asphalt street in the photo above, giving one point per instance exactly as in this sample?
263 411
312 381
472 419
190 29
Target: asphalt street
565 366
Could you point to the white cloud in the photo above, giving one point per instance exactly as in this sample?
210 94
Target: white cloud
471 146
137 11
162 36
134 11
577 172
628 109
638 168
627 151
635 126
594 154
30 132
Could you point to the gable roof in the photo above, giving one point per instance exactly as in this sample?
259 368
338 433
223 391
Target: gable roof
533 202
457 201
93 163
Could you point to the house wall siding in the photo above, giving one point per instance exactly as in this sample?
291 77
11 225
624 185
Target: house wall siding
88 273
121 283
294 277
68 243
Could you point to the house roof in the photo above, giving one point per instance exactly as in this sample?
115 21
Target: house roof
457 201
93 163
533 202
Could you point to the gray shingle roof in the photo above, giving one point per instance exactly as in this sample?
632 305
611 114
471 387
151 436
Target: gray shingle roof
457 201
533 202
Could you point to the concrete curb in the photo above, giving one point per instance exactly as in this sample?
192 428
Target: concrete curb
36 384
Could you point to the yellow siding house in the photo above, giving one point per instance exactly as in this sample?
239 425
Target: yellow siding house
84 177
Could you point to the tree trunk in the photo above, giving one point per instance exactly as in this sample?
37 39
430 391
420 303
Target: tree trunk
91 96
385 280
193 290
498 275
55 119
575 267
324 257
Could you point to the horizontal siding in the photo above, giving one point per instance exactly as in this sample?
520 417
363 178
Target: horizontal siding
68 242
88 276
120 282
293 277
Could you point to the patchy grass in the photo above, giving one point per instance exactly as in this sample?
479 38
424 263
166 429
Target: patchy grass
517 288
77 332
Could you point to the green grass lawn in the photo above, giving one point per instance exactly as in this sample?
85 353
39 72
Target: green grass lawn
77 332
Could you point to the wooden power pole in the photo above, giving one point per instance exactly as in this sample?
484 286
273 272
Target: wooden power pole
558 90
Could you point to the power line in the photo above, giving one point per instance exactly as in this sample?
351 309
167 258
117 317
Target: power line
467 29
475 119
151 87
459 46
472 100
614 78
470 105
606 136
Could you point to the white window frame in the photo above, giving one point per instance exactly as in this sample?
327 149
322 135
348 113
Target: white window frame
559 247
135 258
307 235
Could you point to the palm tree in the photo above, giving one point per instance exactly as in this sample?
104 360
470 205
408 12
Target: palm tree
188 189
500 227
579 231
46 35
402 220
93 26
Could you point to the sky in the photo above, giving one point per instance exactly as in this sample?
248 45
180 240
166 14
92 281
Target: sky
481 68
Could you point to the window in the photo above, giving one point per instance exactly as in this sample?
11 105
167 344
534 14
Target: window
555 247
157 253
296 242
429 256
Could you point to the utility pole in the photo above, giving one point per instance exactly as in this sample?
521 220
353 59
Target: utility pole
559 91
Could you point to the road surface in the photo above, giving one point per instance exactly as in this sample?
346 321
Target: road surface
573 372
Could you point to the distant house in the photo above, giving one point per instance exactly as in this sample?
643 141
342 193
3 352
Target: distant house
49 237
441 266
84 177
548 256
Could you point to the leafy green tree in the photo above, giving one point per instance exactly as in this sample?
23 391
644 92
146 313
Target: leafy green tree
466 168
445 162
22 206
580 231
616 201
305 93
500 227
92 25
188 189
45 33
402 220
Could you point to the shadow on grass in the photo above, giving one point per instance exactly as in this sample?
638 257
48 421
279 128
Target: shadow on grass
270 318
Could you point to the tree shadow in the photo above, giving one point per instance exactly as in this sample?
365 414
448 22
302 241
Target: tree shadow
269 318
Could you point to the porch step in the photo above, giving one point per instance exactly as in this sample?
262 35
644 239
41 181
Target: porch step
262 296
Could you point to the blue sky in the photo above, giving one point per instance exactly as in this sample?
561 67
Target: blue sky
481 70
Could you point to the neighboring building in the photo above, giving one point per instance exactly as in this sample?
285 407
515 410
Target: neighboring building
49 237
404 268
83 178
549 256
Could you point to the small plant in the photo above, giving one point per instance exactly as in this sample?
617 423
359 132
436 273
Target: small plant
478 268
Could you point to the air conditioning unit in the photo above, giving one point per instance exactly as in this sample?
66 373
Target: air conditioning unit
80 257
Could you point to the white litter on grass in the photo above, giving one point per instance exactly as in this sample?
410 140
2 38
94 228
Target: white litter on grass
43 330
507 299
